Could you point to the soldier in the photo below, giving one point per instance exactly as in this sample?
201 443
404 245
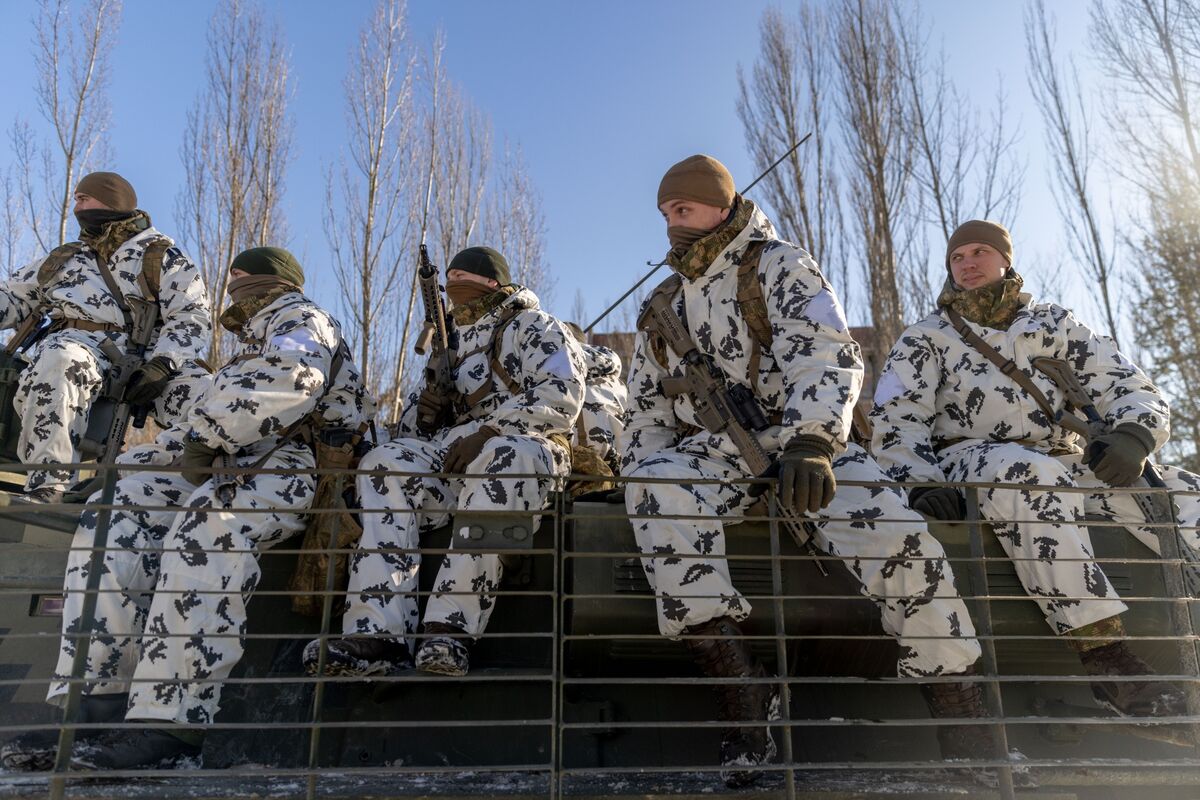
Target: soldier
601 424
519 384
945 411
179 582
760 311
81 286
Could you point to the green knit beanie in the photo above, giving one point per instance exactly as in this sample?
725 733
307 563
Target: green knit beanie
270 261
482 261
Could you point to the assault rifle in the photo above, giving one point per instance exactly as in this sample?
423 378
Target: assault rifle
1156 506
33 328
110 415
719 406
434 340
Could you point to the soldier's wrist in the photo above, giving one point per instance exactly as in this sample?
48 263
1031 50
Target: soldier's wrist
1140 433
809 444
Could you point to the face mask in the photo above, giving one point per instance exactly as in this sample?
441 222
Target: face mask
463 292
682 237
247 286
92 220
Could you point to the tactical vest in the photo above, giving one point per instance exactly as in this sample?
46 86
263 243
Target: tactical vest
751 304
149 280
492 348
753 307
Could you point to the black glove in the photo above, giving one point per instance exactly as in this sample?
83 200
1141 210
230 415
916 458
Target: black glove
1119 456
196 456
941 503
431 407
149 381
806 481
465 450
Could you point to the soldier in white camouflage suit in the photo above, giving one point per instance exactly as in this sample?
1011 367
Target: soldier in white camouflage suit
519 379
805 381
945 412
67 367
176 580
601 423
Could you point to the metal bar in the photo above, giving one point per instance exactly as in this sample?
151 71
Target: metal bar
984 623
87 620
318 700
785 694
1181 616
557 656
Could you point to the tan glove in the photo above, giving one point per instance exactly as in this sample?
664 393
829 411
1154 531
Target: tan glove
465 450
806 481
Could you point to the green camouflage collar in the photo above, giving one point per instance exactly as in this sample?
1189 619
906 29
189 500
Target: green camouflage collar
478 309
116 234
993 306
696 261
234 318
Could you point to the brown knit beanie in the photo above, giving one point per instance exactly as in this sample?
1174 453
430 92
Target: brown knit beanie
109 188
700 178
981 230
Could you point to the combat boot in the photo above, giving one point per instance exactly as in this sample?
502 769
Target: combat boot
36 751
358 656
143 747
960 700
444 651
720 652
1130 698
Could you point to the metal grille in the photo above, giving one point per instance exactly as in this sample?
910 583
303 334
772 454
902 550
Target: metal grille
573 692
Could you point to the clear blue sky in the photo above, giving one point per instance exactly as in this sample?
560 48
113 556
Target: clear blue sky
601 96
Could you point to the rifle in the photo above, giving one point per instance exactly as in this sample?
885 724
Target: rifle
1155 506
110 416
27 334
433 340
720 407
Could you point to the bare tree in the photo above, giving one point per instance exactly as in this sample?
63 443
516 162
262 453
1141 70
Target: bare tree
515 225
785 97
71 58
236 147
454 155
878 159
965 169
367 219
1068 137
12 224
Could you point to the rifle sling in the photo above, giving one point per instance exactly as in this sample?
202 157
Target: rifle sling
1006 365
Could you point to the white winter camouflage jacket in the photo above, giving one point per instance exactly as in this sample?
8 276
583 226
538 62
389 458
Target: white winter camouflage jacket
602 419
279 375
539 354
810 376
936 389
77 291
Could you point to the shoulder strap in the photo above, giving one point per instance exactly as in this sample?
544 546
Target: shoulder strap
54 262
667 289
492 348
1007 366
150 278
753 306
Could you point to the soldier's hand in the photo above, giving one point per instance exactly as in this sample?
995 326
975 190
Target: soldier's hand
430 407
806 481
196 456
149 381
942 503
1119 456
465 450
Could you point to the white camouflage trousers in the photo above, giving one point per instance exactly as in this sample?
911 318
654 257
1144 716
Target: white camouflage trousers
176 581
384 569
55 393
1044 531
898 563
